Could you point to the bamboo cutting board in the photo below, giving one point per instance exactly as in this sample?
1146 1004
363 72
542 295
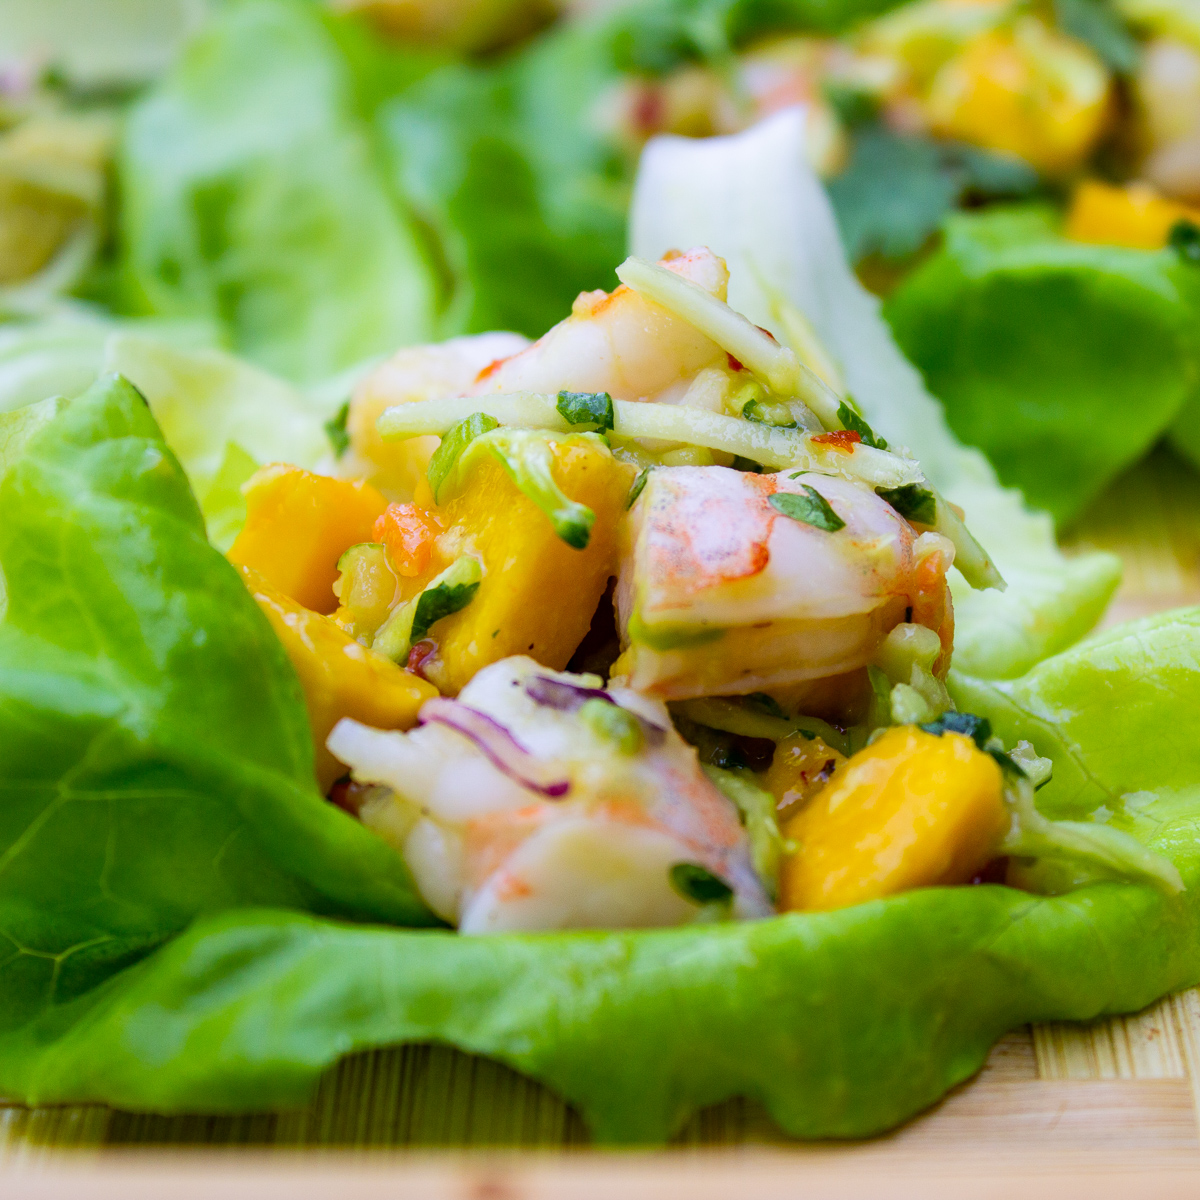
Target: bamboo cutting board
1108 1109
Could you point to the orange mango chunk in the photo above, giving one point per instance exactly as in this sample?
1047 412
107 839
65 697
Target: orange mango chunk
800 767
340 677
1134 215
911 810
297 526
1026 90
538 594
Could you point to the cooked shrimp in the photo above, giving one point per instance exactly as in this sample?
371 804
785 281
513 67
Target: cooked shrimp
538 801
414 373
620 343
720 592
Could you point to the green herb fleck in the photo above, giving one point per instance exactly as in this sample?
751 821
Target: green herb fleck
335 430
456 439
699 885
853 420
594 409
612 723
766 704
438 602
746 464
1184 239
978 729
767 414
639 485
853 105
811 508
913 502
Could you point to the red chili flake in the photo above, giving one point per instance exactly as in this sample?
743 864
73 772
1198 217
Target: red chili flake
734 364
420 654
348 795
492 367
648 110
841 439
768 333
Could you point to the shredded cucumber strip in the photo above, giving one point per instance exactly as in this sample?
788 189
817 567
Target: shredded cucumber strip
776 449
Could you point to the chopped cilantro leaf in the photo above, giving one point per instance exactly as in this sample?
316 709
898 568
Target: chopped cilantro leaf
913 502
853 420
335 430
438 602
638 487
766 704
760 414
1185 240
978 729
809 508
594 409
746 464
699 885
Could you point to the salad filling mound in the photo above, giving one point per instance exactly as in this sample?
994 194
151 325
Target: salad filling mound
642 624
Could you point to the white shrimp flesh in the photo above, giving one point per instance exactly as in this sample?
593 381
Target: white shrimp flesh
539 800
721 593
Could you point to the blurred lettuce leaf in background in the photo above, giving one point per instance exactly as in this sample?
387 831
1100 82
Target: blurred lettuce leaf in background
255 194
1064 362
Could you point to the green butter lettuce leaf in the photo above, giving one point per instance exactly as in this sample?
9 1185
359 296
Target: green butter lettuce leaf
1064 362
656 36
754 201
99 43
842 1024
1100 711
255 193
157 757
221 416
525 195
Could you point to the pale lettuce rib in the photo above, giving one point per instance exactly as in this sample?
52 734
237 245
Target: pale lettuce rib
753 200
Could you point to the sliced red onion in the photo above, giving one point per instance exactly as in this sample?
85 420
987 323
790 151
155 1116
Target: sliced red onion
567 697
503 750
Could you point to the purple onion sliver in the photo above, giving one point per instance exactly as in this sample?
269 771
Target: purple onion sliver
503 750
568 697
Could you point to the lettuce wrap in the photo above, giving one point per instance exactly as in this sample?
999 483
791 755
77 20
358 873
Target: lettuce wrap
177 898
841 1024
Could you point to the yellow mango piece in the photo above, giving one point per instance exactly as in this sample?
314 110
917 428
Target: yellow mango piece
340 678
800 767
1134 215
1026 90
911 810
538 594
297 526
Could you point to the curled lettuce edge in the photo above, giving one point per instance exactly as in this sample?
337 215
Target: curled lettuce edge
841 1024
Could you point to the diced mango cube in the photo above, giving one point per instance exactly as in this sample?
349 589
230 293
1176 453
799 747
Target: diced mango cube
297 526
538 594
1134 215
913 809
1025 90
340 678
